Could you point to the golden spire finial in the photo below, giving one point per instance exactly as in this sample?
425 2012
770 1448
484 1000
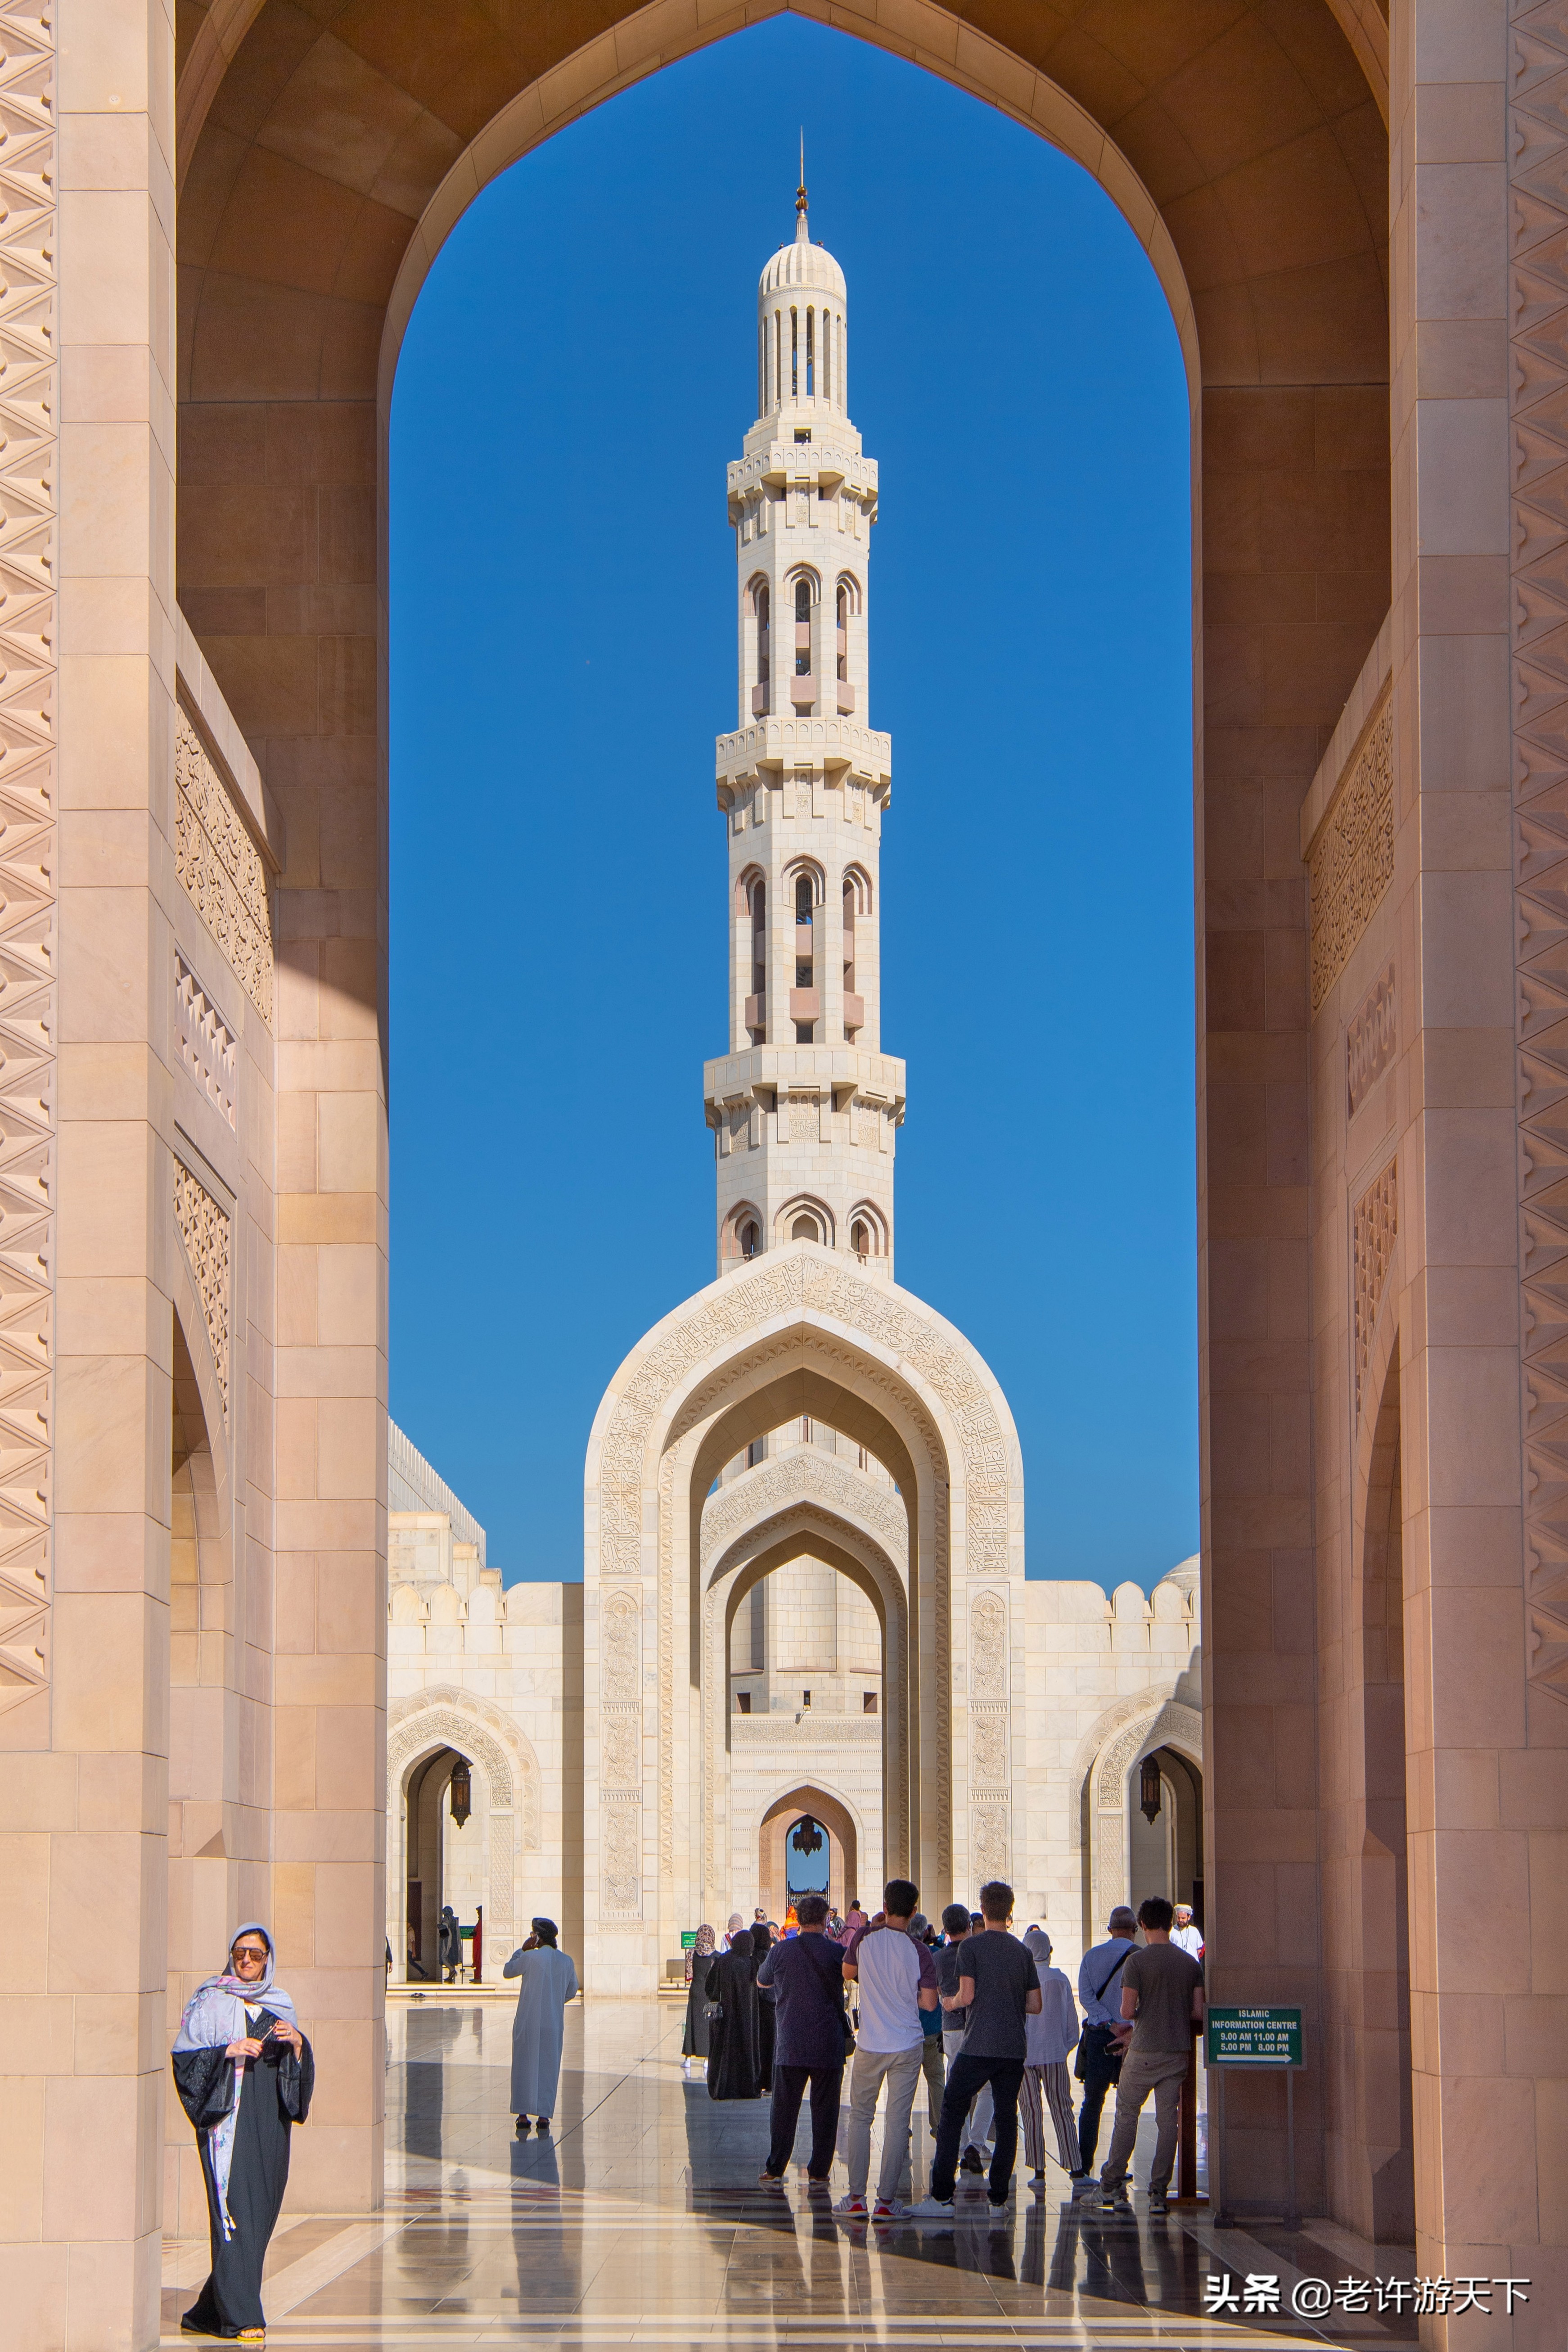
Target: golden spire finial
800 190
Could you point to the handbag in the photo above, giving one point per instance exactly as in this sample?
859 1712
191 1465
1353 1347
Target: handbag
1114 2058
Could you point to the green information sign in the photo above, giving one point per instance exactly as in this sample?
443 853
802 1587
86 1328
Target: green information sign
688 1940
1255 2037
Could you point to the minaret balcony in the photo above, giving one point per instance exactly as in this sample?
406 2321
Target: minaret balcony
827 741
846 698
803 692
759 701
756 1015
854 1012
805 1004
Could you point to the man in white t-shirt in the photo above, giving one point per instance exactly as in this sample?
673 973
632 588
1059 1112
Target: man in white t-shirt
898 1980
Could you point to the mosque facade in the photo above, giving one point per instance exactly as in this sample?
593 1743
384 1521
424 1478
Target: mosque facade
804 1591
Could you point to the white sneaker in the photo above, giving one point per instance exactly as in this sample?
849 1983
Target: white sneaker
851 2206
930 2209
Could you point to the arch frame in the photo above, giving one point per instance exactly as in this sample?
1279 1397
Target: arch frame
715 1371
442 1716
821 1802
792 1531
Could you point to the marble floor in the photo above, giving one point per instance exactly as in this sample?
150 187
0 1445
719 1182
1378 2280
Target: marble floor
640 2222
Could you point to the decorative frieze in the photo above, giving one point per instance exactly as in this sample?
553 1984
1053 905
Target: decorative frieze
620 1889
220 867
204 1040
1374 1226
29 859
1370 1040
1538 378
1352 860
204 1229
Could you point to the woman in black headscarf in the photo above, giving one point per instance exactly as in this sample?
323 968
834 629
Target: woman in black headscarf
767 2015
734 2057
245 2073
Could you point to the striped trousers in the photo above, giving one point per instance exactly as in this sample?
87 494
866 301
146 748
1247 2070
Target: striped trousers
1055 2084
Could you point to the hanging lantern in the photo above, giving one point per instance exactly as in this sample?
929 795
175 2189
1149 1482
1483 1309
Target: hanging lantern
807 1837
1149 1788
462 1791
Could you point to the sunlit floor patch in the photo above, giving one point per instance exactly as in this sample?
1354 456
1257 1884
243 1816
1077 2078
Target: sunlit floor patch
639 2221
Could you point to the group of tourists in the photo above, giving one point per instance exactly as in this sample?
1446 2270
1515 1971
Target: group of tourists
978 2014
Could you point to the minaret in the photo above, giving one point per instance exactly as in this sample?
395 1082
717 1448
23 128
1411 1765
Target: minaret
805 1103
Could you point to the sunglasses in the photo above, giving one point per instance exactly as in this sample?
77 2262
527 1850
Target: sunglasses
247 1952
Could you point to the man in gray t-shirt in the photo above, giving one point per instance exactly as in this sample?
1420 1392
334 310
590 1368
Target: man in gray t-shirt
1162 1995
998 1984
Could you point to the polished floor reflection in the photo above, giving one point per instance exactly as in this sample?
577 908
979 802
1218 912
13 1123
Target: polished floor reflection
640 2221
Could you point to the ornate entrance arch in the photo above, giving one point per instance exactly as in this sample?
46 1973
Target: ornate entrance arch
440 1718
798 1333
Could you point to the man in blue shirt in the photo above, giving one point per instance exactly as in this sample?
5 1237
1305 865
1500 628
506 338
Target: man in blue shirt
1100 2046
811 2039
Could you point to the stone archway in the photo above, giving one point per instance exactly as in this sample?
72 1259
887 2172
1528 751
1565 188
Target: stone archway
1251 164
1136 1728
799 1332
833 1814
443 1717
732 1743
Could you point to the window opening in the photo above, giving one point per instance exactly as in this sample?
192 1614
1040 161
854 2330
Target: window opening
843 624
860 1239
868 1702
794 353
803 621
805 1698
810 354
778 358
804 1229
749 1237
743 1702
805 1034
802 432
802 898
763 602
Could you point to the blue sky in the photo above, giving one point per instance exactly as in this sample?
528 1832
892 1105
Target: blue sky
580 368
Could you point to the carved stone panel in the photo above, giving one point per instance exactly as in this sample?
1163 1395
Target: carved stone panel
621 1748
29 558
988 1677
204 1229
990 1843
621 1888
1538 227
1352 861
988 1748
1374 1228
220 867
1370 1040
621 1649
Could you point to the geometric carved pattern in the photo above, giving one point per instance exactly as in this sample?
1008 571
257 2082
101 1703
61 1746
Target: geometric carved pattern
621 1649
989 1746
1537 310
621 1752
1352 860
1370 1040
1374 1230
220 865
29 405
204 1230
205 1042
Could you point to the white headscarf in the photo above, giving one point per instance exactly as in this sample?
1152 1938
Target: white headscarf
215 2016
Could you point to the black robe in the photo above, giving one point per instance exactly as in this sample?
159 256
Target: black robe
275 2096
734 2056
697 2040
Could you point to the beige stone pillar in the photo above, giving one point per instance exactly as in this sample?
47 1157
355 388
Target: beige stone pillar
83 1858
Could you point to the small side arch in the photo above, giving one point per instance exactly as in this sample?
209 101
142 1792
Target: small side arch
867 1231
804 1219
742 1235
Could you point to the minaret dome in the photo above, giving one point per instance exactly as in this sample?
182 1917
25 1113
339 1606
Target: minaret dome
802 334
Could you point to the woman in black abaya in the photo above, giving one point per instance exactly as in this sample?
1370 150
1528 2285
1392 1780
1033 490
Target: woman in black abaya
245 2074
734 2056
761 1945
